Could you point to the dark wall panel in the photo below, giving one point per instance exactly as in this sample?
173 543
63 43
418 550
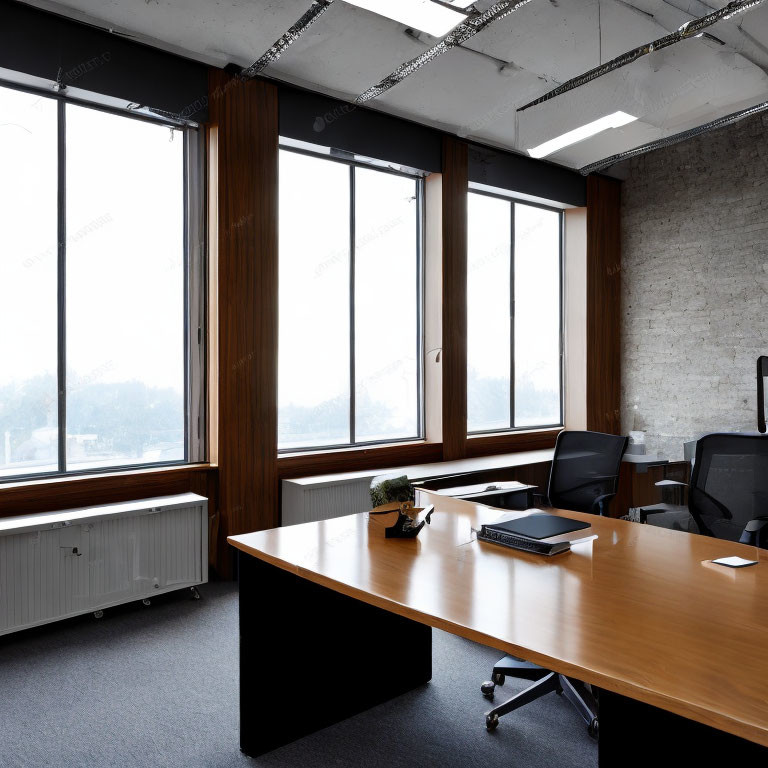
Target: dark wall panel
604 305
45 45
454 299
518 173
319 119
244 155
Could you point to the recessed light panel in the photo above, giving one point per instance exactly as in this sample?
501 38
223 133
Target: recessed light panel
616 120
432 18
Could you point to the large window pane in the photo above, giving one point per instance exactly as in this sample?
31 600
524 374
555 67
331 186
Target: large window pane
314 399
488 313
537 316
530 361
28 284
125 291
349 358
386 306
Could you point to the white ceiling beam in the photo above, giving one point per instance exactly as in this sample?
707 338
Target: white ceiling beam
475 23
676 138
733 36
688 30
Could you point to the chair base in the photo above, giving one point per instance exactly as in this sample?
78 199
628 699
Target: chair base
546 682
515 667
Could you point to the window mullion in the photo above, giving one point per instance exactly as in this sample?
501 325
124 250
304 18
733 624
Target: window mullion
561 329
352 375
420 405
61 289
512 317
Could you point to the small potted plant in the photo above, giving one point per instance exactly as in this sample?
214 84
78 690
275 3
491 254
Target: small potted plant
392 498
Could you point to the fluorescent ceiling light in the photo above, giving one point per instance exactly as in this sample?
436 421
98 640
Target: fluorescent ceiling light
429 17
616 120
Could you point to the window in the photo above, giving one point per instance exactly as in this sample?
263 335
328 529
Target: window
350 304
514 316
93 288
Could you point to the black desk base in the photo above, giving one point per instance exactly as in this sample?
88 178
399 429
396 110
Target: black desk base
634 733
353 655
356 656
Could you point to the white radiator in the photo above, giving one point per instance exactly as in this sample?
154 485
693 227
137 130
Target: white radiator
320 498
59 564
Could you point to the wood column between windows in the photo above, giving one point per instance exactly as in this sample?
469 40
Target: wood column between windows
603 304
243 157
454 353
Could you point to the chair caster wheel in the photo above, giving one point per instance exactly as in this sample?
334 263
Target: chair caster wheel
491 722
593 728
98 614
195 593
146 601
487 689
498 678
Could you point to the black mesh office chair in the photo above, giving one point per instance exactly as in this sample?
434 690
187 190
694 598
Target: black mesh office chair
584 478
585 471
728 495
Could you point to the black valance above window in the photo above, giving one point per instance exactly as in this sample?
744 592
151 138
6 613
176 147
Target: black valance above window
321 120
527 176
48 46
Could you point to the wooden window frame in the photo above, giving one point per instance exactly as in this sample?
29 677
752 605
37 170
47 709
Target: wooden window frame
44 495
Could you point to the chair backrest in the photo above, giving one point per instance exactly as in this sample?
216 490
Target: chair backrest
729 485
585 467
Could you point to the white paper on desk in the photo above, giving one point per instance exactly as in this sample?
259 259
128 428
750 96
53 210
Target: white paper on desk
466 490
734 562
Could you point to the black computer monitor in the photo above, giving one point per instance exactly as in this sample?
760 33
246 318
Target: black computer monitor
762 374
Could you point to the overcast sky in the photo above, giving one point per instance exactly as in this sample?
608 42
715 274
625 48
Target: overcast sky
125 235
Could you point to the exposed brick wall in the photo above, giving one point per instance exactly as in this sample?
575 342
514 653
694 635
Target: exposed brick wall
695 285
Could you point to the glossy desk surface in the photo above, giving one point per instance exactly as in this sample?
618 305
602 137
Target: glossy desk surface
639 610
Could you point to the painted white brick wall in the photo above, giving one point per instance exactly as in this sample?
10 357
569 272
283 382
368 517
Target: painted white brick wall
695 286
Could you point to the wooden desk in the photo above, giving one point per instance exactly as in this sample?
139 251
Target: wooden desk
638 612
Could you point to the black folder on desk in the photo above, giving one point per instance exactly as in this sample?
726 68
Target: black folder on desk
539 526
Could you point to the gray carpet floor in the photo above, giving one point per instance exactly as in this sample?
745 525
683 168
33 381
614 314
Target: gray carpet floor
157 686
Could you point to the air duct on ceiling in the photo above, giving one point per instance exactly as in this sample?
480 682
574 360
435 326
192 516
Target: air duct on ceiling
276 50
475 23
692 28
669 141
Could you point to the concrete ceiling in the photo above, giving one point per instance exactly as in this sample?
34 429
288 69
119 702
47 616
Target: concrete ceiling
475 90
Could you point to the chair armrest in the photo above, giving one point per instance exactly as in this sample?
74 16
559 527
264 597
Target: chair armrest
755 532
601 503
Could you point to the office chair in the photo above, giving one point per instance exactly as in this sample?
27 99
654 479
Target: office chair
585 471
584 478
728 495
